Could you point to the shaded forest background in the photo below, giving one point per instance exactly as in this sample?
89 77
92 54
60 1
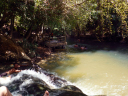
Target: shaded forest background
29 21
72 17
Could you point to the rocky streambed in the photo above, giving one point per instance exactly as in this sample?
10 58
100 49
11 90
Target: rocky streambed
34 81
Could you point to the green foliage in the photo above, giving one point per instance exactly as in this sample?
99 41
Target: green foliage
99 15
78 15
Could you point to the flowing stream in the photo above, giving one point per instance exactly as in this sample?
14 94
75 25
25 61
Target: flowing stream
31 83
103 71
99 70
99 73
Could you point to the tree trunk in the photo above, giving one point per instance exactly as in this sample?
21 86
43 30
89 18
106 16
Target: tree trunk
35 36
78 31
28 33
4 19
12 26
100 23
37 32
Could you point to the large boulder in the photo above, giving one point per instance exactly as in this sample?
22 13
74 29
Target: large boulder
28 85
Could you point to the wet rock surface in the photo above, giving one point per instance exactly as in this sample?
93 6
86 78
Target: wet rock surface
37 87
27 83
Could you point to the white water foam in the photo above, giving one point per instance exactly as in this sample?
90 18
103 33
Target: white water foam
33 73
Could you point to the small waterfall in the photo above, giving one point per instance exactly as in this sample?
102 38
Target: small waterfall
21 81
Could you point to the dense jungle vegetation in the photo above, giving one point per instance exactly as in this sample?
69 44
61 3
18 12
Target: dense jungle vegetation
71 17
